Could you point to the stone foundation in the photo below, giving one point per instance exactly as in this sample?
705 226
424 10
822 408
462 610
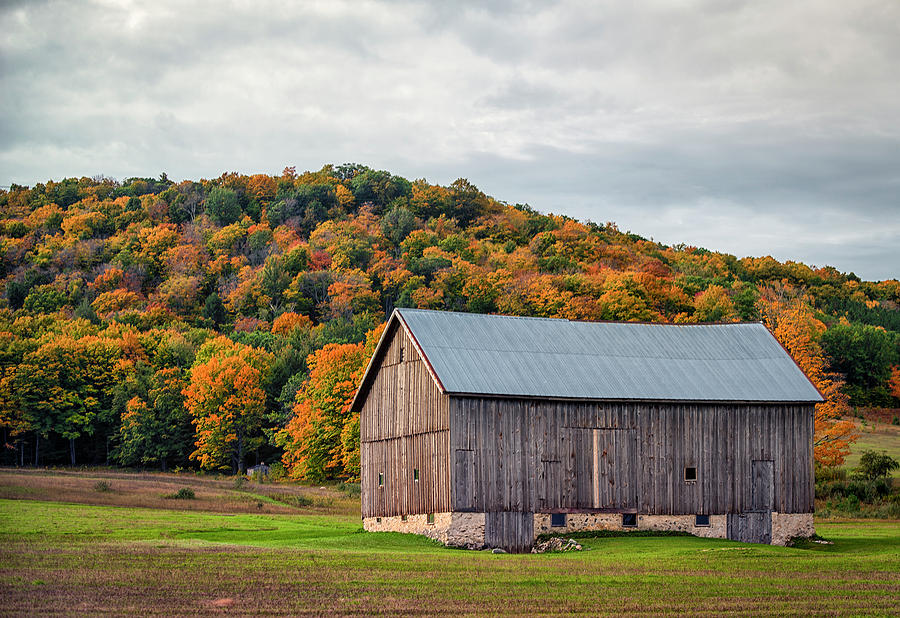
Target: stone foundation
786 526
581 522
453 529
467 529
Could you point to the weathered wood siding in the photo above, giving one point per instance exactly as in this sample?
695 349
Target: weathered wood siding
540 456
404 425
512 531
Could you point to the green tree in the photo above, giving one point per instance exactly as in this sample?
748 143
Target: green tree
874 465
223 205
155 426
864 354
214 309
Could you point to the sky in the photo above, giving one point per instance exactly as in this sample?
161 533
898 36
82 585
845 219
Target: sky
752 128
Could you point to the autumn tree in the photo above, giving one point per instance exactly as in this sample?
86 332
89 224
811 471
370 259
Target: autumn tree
226 398
65 387
793 323
321 440
714 305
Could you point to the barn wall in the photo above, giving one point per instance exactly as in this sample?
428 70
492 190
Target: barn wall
404 425
533 456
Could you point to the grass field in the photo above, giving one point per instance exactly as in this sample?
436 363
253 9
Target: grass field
874 436
77 557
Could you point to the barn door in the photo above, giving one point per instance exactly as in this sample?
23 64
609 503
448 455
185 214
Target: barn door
509 530
615 469
755 525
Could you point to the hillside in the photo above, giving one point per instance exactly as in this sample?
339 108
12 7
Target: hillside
217 323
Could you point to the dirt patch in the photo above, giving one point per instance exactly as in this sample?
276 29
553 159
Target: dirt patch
226 602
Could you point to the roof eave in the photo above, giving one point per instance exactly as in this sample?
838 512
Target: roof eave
637 400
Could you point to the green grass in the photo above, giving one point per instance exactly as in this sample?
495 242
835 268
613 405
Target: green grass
75 558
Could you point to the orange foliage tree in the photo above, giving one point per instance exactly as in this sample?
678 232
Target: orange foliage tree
894 382
793 323
322 438
226 399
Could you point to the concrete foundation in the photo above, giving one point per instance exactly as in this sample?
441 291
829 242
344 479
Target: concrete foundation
467 529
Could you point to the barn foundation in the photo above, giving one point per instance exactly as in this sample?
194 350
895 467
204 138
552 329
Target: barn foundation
453 529
467 530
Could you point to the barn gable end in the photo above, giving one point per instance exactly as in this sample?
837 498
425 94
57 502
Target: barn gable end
404 427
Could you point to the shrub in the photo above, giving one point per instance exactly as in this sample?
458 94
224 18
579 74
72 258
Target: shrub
351 489
102 486
850 504
292 500
826 490
185 493
277 472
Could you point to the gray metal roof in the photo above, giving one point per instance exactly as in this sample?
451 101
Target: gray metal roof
540 357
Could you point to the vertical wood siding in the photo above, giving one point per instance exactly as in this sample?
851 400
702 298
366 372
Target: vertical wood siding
404 425
530 455
514 532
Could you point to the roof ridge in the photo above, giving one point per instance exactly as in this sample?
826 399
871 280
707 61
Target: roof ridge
531 317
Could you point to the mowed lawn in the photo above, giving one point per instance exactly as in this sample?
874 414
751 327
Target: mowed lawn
58 557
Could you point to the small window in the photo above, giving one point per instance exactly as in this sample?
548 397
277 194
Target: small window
629 520
690 473
377 520
416 475
558 520
701 520
401 354
430 518
381 479
403 517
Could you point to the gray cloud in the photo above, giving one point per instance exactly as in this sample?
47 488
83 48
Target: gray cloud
748 127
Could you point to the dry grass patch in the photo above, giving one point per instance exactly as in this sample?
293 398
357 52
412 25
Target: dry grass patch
154 490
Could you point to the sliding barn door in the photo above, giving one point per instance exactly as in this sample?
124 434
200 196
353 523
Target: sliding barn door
755 525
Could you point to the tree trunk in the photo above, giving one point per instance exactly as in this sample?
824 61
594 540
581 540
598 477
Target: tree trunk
163 462
72 451
240 454
37 445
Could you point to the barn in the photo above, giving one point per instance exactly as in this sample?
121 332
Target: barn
488 431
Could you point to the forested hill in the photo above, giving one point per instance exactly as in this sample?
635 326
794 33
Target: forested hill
221 322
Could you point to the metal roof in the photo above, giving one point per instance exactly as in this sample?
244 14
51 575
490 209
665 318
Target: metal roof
540 357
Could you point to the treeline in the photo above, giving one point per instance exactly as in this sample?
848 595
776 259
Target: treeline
222 322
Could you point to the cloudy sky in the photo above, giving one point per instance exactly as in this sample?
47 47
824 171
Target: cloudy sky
759 127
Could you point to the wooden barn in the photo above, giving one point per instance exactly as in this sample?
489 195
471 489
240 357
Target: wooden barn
487 431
